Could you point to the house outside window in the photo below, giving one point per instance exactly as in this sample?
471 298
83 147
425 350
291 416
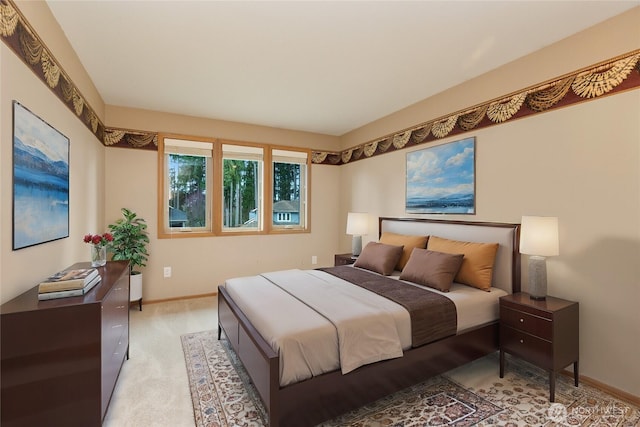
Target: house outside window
289 204
187 191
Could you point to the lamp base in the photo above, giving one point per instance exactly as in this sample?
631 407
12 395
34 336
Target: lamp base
537 277
356 245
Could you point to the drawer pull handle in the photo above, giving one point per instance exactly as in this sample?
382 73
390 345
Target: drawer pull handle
120 306
521 320
116 326
521 341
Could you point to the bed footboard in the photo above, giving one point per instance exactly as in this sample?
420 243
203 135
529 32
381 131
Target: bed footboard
326 396
257 356
329 395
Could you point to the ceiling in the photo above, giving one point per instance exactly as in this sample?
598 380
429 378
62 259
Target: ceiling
319 66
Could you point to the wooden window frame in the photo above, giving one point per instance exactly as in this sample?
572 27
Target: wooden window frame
217 207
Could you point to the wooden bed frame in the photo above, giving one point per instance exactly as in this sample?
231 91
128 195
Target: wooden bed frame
324 397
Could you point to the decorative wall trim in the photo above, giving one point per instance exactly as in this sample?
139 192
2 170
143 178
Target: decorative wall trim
606 78
609 77
128 138
20 37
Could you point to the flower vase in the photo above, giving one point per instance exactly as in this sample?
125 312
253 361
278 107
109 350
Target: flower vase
98 255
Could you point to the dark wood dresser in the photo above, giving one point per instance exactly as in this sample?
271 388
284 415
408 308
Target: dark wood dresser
60 358
544 333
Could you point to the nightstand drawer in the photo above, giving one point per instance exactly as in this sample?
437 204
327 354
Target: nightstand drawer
526 322
343 259
527 347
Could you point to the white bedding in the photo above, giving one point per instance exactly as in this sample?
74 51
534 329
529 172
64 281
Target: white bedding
307 341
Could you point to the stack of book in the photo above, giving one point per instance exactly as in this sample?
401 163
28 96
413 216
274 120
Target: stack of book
68 283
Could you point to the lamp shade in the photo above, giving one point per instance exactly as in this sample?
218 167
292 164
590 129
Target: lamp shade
539 236
357 223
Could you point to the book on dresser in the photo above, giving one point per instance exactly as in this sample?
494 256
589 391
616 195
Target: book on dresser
69 279
43 296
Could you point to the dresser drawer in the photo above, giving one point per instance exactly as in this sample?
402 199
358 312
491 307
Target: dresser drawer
527 347
534 325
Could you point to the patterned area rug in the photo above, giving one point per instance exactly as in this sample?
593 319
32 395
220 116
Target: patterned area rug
473 395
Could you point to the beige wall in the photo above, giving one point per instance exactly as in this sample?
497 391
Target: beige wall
21 269
580 163
199 265
24 268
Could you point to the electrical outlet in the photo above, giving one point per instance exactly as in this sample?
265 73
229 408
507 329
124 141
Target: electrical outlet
167 272
314 260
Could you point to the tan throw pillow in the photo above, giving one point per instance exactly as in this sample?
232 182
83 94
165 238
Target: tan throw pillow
477 266
433 269
379 257
409 242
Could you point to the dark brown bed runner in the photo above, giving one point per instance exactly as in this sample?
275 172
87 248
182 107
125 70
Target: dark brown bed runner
433 316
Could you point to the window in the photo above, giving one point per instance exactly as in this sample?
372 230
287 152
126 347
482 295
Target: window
242 188
186 192
283 216
210 187
289 204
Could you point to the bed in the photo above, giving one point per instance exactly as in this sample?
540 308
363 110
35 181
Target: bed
322 396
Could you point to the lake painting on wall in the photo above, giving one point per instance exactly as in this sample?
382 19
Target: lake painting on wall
441 179
40 180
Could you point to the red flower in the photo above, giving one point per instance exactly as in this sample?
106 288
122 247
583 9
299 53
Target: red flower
98 239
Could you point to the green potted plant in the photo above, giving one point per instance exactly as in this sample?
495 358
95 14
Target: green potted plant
130 240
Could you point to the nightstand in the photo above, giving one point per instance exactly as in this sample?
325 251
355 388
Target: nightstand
343 259
544 333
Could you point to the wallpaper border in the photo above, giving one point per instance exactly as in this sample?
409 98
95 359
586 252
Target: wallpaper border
20 37
609 77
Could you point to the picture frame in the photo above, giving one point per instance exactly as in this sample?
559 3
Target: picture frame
40 180
441 179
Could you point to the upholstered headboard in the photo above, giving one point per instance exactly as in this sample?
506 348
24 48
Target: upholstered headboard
506 271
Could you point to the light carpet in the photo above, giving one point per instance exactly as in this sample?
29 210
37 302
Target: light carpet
472 395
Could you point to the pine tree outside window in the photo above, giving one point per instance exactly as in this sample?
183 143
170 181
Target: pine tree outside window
242 188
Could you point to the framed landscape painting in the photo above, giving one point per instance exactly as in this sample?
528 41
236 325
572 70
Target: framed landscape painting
40 180
441 179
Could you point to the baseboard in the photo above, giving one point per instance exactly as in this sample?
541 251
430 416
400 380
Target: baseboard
616 392
156 301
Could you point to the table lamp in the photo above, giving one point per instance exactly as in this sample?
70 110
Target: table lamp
538 239
357 225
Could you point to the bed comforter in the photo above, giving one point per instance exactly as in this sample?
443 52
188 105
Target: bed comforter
432 315
319 322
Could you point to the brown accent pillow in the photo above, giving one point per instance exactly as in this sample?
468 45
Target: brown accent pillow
433 269
379 257
409 242
477 266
